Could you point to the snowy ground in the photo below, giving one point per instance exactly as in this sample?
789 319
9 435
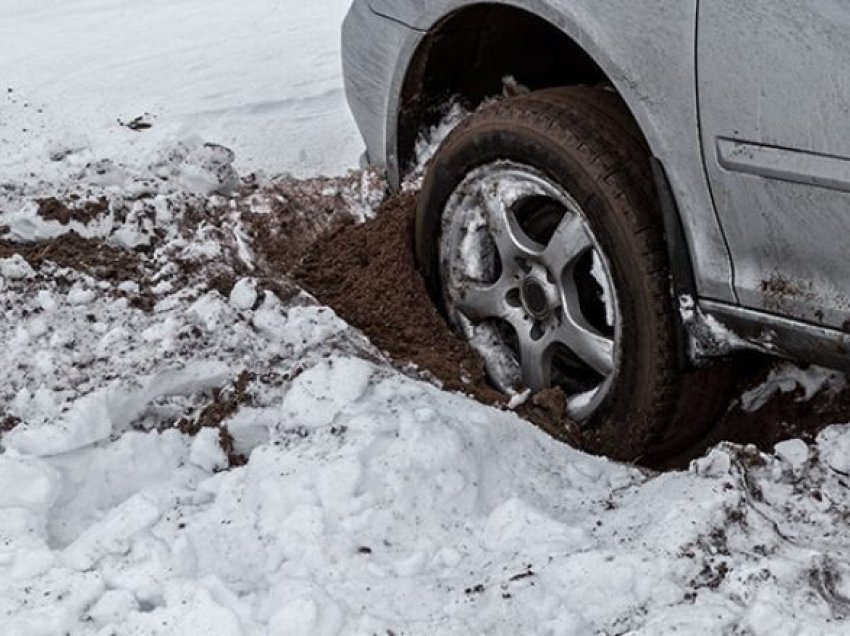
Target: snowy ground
259 76
192 446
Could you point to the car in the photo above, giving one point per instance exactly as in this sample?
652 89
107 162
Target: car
641 187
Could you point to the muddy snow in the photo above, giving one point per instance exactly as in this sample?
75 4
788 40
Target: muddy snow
205 429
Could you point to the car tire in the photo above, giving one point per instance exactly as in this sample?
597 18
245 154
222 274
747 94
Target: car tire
575 153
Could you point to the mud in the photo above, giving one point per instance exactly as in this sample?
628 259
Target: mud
91 257
785 416
86 255
52 209
7 423
297 214
366 273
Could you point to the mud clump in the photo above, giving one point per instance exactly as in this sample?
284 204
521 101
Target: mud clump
548 410
90 256
225 403
7 423
71 250
367 273
52 209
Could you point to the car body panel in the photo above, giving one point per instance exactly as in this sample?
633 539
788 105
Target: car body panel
646 47
373 50
775 114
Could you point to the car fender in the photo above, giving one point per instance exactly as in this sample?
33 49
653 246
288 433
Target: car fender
647 50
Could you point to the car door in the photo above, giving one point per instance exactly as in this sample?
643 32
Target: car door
774 99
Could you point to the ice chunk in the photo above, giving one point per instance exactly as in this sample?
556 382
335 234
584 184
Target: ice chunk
93 417
206 450
16 268
113 533
79 295
320 394
113 606
244 294
793 451
209 169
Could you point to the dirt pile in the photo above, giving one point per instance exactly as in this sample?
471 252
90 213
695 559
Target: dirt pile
90 256
224 404
785 415
367 274
52 209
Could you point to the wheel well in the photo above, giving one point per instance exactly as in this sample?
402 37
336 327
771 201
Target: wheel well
467 55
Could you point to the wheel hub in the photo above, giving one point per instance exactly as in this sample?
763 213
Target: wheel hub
535 300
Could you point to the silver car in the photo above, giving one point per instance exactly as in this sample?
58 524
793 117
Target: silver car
642 185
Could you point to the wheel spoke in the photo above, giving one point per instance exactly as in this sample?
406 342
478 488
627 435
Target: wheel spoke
511 241
571 240
480 301
535 362
591 347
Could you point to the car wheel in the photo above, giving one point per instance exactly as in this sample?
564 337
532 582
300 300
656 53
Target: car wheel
539 235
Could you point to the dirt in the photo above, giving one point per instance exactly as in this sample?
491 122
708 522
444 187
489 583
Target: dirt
90 256
52 209
137 123
367 274
225 402
7 423
300 212
783 417
86 255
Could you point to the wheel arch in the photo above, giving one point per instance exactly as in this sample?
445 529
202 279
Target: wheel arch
465 52
465 55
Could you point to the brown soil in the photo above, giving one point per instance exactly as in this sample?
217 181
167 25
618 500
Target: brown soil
53 209
783 417
301 211
86 255
367 274
89 256
7 423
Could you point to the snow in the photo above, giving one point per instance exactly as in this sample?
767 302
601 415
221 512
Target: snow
794 451
244 294
258 76
365 500
788 378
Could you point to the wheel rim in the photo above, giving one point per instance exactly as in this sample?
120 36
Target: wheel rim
526 283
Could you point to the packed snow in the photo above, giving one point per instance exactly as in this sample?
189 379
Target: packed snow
182 457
